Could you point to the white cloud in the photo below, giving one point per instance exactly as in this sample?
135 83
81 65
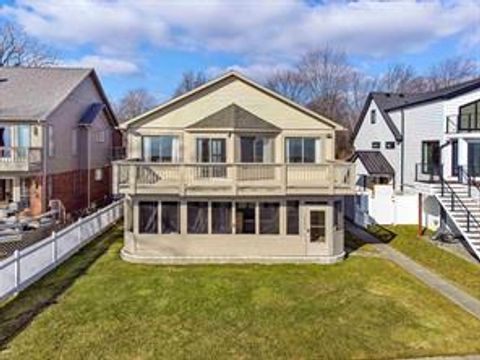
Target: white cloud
257 71
275 28
105 65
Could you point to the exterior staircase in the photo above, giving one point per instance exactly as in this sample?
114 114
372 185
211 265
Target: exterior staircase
462 204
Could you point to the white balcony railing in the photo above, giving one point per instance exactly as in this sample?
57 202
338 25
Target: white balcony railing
20 159
134 176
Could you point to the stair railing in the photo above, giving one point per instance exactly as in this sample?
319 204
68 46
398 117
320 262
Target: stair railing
456 201
464 177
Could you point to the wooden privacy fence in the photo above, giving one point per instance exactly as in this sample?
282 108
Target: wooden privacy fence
26 266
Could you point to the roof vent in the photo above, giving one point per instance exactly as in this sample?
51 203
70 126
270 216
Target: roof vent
401 95
3 80
387 94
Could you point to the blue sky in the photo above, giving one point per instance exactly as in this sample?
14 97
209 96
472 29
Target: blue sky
147 43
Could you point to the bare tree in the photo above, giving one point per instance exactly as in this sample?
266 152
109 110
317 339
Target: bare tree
134 103
18 49
288 83
452 71
401 78
190 80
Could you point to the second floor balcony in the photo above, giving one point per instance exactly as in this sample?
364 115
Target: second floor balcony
20 159
256 179
463 123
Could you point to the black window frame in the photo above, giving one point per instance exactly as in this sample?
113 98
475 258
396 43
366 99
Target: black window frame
373 116
376 144
143 224
475 120
431 168
390 145
263 208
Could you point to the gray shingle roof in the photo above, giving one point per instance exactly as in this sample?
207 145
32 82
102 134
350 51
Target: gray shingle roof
32 93
375 163
234 117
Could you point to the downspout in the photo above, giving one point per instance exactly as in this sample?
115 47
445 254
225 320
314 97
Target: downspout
45 147
402 151
88 167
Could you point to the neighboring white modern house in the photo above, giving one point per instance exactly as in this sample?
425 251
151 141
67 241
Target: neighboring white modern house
427 143
232 171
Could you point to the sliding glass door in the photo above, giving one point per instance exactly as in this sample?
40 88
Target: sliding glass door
5 141
212 151
431 158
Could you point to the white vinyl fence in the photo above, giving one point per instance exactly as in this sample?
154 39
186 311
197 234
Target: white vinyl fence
26 266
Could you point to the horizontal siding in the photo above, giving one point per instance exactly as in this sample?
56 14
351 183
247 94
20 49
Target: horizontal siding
379 131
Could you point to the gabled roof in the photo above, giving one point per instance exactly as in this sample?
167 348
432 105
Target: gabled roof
217 83
374 162
440 94
387 102
234 117
33 93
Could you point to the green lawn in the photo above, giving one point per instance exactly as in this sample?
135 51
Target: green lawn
364 307
463 273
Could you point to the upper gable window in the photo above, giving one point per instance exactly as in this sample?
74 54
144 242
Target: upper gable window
160 148
373 116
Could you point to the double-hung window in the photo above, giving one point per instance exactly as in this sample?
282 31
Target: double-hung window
162 148
302 150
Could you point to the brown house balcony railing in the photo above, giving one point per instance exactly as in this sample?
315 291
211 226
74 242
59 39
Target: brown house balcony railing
465 123
20 159
233 178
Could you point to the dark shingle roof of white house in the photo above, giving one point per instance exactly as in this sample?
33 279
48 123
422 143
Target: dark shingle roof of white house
33 93
394 101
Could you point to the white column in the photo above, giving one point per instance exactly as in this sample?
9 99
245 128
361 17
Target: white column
462 153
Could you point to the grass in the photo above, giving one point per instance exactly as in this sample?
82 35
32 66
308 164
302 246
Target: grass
102 307
462 272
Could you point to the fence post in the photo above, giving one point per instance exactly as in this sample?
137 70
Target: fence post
54 247
79 231
16 255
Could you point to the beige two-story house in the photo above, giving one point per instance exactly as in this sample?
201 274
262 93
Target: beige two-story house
232 171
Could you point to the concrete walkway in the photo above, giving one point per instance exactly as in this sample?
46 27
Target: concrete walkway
459 297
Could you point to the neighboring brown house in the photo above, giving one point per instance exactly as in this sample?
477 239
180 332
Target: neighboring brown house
57 133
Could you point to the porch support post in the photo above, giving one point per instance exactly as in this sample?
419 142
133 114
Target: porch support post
420 215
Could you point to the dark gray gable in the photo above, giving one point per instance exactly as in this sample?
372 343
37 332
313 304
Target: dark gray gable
234 117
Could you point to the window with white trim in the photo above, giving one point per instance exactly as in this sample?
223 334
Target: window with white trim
98 174
100 136
303 150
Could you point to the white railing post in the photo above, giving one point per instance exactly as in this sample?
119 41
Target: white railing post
54 247
16 255
79 230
